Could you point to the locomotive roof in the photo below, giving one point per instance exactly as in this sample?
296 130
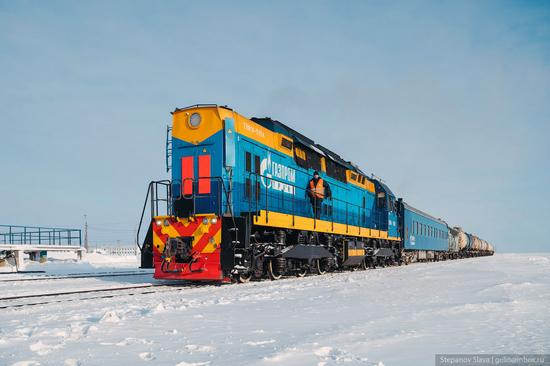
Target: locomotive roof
384 186
202 105
279 127
422 213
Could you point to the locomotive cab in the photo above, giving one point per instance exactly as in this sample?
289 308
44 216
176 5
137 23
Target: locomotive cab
196 161
387 206
186 239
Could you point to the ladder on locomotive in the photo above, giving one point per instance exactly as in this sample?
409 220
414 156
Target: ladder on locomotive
168 148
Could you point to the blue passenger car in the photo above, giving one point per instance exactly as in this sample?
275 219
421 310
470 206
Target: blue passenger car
421 231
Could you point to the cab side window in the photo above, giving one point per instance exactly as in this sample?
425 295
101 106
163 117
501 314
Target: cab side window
381 200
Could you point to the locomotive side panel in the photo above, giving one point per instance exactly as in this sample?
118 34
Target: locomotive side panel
269 181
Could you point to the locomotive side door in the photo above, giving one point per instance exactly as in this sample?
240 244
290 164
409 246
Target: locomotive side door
251 177
199 186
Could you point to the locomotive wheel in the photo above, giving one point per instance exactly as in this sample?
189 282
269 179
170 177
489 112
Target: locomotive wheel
244 277
320 267
273 274
302 271
372 263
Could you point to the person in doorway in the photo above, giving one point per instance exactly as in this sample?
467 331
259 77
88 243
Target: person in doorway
317 190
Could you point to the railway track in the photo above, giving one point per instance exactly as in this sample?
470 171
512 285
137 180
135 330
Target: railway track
89 294
101 293
78 275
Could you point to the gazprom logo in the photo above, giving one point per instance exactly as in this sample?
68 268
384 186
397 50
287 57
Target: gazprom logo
272 169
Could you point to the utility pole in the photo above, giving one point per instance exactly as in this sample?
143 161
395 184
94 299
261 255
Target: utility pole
86 232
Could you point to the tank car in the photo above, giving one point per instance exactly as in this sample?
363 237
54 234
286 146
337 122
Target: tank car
462 238
454 247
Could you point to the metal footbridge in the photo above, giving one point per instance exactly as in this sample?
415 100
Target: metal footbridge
37 241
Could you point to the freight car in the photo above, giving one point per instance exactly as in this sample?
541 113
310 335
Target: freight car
239 205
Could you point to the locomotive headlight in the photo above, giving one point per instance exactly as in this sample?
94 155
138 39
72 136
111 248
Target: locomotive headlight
205 221
195 120
214 220
166 222
159 222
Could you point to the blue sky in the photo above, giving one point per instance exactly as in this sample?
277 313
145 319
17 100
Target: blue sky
449 102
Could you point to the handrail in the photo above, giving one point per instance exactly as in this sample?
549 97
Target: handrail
168 148
194 191
152 198
17 234
149 194
35 227
342 206
345 205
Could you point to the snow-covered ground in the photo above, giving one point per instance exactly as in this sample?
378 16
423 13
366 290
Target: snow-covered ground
66 265
392 316
60 263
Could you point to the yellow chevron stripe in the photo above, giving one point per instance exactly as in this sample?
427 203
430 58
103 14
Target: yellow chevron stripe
213 244
201 230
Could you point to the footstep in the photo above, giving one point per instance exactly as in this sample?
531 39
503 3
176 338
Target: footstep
193 347
110 317
146 356
159 309
323 351
26 363
43 349
260 343
72 362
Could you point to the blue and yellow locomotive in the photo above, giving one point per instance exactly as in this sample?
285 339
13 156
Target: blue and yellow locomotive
237 205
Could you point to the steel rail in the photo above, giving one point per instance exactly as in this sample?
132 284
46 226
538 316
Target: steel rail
83 275
109 293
